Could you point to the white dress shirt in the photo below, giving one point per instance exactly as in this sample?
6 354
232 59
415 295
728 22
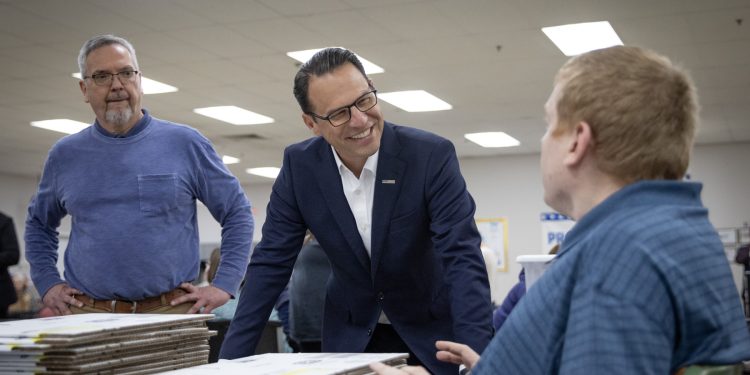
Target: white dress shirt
359 194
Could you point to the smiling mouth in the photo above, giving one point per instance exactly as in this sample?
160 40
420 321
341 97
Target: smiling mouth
363 134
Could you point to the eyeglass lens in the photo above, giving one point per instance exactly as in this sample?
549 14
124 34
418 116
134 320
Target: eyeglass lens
364 103
106 78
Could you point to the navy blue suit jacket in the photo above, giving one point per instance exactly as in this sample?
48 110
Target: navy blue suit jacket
426 270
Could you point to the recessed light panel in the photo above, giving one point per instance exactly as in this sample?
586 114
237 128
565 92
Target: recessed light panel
492 139
268 172
575 39
233 115
229 159
415 101
61 125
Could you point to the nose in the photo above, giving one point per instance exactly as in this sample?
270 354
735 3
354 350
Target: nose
358 118
116 83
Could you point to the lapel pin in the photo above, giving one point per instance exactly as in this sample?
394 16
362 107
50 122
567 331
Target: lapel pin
388 182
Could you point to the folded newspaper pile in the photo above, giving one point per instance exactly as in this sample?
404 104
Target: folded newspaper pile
104 344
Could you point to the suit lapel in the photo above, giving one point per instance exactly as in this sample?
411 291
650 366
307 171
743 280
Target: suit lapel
329 181
388 181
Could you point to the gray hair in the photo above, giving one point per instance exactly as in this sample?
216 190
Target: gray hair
101 41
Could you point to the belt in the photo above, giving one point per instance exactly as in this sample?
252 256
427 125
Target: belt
132 307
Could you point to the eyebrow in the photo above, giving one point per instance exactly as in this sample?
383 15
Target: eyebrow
128 67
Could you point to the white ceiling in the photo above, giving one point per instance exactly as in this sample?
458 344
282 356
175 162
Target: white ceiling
488 58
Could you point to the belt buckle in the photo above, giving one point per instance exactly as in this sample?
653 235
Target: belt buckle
133 305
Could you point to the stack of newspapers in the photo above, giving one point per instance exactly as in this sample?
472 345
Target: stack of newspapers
104 344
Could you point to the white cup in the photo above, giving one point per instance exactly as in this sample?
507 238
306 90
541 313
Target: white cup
534 266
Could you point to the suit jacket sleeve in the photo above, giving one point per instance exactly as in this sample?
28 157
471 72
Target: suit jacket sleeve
457 240
269 269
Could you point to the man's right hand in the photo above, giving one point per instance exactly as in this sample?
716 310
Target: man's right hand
59 297
455 353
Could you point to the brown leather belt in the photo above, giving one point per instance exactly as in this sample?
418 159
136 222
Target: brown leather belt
132 307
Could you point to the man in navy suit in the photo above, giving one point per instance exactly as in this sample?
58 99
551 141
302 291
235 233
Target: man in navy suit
390 207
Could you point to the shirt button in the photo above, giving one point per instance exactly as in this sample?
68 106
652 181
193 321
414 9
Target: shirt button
369 332
381 296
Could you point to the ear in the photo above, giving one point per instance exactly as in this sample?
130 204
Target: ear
310 123
369 83
84 91
581 144
140 82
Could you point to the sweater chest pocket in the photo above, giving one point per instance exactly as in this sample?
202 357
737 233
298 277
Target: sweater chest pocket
157 192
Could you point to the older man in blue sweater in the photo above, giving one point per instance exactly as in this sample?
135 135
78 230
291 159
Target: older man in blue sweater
130 184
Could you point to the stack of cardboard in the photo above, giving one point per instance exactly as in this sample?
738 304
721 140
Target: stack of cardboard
104 344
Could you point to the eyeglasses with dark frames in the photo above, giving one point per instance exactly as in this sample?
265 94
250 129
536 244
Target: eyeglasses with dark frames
104 79
342 115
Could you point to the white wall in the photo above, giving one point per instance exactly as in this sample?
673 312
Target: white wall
504 186
510 187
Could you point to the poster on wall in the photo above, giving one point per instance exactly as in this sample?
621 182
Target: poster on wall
554 228
495 238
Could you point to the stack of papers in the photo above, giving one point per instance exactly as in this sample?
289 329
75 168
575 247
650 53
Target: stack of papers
104 344
298 363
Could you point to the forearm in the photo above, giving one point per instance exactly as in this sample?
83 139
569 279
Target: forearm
41 253
236 240
261 290
471 302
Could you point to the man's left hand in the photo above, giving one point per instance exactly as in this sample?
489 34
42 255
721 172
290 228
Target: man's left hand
206 297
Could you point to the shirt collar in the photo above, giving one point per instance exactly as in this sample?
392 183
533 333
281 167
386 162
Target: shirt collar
371 164
137 128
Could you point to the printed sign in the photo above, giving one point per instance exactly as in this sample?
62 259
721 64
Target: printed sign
554 228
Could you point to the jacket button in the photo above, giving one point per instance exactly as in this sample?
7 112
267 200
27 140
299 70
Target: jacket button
369 332
381 296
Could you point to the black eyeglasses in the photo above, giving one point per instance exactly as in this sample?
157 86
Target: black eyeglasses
105 79
342 115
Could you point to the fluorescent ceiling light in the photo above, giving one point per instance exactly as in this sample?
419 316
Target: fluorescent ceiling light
61 125
229 159
415 101
492 139
269 172
303 56
149 85
233 115
578 38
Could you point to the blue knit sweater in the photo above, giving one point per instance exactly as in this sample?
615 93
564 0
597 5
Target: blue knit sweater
132 202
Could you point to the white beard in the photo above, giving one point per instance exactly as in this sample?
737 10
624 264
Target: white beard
119 118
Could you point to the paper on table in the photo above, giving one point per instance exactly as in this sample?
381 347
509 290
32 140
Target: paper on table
298 363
